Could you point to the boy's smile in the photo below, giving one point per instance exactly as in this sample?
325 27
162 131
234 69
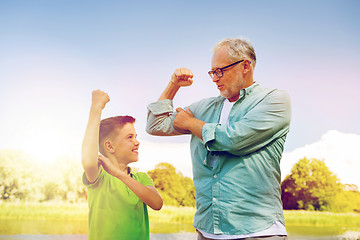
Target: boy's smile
126 145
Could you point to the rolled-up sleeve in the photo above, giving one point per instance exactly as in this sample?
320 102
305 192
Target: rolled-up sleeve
160 119
208 132
267 120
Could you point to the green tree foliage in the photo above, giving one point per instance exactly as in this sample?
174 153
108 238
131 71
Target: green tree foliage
175 189
310 186
16 173
23 178
347 200
68 173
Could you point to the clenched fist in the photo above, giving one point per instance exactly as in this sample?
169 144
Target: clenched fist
182 77
99 99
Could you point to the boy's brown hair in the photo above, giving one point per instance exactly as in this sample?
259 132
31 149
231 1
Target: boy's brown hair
108 126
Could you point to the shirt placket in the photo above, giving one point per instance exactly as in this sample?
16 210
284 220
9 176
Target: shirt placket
216 197
216 188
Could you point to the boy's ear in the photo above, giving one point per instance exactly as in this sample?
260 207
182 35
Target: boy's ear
108 146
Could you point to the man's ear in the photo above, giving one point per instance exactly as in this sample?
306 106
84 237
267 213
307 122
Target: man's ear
247 66
108 146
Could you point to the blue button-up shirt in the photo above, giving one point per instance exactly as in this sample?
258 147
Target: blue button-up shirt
241 193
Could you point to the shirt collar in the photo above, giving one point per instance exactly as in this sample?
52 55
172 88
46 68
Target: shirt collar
246 91
243 92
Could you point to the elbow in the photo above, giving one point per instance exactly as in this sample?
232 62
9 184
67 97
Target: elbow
155 130
148 129
158 205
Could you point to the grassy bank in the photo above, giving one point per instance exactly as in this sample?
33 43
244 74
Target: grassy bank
321 219
44 211
168 214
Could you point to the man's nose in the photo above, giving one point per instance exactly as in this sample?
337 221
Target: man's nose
215 78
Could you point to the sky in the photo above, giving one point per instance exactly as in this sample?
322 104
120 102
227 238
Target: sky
53 54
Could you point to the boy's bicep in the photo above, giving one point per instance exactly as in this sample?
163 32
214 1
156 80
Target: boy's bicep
92 173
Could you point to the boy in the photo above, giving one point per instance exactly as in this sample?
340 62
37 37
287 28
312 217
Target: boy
117 196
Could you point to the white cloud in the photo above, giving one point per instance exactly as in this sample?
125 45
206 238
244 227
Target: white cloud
339 152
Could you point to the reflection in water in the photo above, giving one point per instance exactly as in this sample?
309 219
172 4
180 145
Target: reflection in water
77 230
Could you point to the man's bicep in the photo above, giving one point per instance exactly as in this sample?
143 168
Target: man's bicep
160 119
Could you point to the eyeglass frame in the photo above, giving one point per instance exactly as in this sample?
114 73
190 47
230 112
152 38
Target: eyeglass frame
213 73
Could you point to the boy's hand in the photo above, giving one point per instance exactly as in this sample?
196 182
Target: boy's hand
182 77
99 99
109 165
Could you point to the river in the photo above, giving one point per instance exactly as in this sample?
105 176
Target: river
58 230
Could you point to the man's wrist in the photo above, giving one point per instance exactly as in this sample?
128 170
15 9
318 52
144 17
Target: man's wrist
174 85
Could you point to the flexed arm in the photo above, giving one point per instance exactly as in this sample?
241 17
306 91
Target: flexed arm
160 119
90 146
182 77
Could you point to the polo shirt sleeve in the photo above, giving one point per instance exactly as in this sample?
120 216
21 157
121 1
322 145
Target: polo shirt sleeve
160 119
145 179
268 120
96 183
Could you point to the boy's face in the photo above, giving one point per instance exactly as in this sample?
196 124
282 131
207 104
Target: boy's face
126 145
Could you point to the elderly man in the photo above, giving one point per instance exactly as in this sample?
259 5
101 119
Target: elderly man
236 145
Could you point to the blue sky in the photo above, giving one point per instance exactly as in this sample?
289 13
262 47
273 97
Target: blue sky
54 53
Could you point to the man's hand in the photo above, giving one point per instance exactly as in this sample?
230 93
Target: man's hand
99 99
182 77
186 120
183 118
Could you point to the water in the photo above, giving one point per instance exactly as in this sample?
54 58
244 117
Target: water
77 230
174 236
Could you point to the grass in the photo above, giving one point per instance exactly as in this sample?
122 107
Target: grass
168 214
44 211
322 219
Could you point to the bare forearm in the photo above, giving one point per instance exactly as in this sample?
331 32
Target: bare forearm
170 91
148 195
195 127
90 146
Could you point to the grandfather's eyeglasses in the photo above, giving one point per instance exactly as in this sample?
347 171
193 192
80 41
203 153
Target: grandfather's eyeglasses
219 72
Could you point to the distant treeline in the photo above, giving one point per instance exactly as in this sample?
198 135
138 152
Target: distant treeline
309 186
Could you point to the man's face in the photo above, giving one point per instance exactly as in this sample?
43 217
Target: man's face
232 80
126 145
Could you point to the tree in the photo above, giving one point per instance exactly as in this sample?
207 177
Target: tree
16 176
174 188
310 186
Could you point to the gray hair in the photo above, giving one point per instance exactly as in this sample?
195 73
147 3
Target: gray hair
238 48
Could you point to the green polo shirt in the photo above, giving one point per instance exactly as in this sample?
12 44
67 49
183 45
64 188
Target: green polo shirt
241 193
115 212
